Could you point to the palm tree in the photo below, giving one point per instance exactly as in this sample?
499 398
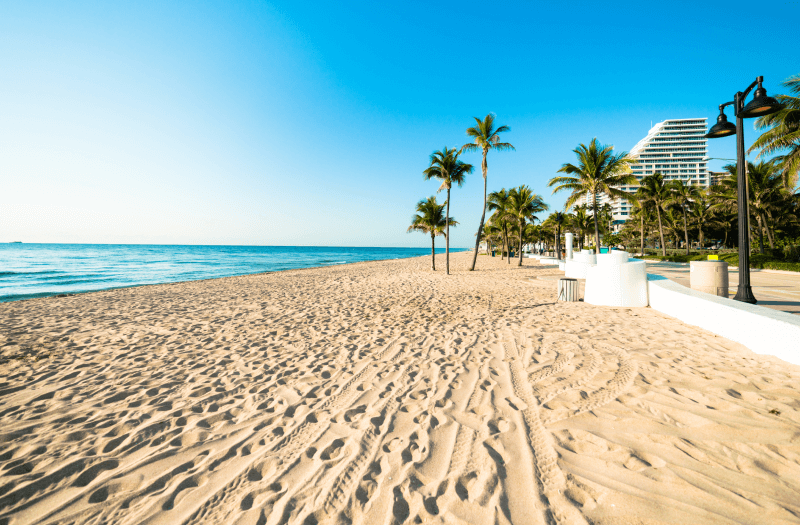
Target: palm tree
702 214
498 202
532 233
598 170
430 219
485 137
672 224
522 205
582 221
684 195
783 134
446 167
640 209
767 195
492 233
559 218
653 189
605 218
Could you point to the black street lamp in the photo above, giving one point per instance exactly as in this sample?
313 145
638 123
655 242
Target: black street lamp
759 106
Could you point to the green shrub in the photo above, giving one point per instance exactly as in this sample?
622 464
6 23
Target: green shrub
757 260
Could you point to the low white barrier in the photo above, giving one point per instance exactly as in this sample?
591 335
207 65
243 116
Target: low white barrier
578 266
616 280
762 330
548 260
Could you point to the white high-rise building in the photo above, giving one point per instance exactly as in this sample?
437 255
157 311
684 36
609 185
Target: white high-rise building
676 148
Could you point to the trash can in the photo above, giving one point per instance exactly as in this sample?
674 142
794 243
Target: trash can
492 253
709 277
568 289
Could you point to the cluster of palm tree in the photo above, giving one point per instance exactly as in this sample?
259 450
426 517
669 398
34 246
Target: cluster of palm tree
773 200
512 220
676 211
446 166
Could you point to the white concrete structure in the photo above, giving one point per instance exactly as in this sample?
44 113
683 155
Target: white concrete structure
578 266
675 148
617 280
709 277
570 239
762 330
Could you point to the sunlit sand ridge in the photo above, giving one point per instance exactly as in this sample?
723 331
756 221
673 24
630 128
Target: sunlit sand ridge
384 393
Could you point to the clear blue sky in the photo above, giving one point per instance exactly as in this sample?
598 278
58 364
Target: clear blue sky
309 123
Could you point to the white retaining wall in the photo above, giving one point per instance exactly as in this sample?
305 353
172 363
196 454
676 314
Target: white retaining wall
762 330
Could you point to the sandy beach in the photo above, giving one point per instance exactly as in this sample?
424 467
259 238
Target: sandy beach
385 393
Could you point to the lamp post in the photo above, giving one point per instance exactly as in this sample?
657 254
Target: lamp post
759 106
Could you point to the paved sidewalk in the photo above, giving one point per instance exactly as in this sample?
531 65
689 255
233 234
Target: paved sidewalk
780 291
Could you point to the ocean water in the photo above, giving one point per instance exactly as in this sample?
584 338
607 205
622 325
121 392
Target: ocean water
39 270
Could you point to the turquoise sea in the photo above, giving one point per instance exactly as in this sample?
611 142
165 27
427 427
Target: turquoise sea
39 270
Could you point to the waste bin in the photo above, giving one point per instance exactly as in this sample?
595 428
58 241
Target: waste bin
709 277
568 289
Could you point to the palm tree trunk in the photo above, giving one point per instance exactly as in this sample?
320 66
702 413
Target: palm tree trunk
641 230
686 231
521 229
433 252
596 228
447 235
508 243
506 247
760 234
558 242
483 213
770 234
661 232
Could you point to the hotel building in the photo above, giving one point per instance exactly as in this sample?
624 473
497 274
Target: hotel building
675 148
716 177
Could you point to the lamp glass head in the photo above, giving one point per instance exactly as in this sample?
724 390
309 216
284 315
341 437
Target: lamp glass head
760 105
722 128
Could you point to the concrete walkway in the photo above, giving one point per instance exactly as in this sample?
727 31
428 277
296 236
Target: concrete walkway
780 291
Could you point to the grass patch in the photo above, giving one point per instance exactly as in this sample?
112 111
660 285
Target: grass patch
757 260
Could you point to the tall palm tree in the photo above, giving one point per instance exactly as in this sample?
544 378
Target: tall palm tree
446 167
523 204
485 137
430 219
653 189
598 170
783 134
685 195
498 203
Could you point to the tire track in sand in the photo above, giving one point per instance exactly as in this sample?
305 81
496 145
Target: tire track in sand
550 476
618 385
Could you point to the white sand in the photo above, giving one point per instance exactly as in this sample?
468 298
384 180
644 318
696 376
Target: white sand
381 393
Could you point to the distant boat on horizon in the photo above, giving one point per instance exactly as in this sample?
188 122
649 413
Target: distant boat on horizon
15 242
